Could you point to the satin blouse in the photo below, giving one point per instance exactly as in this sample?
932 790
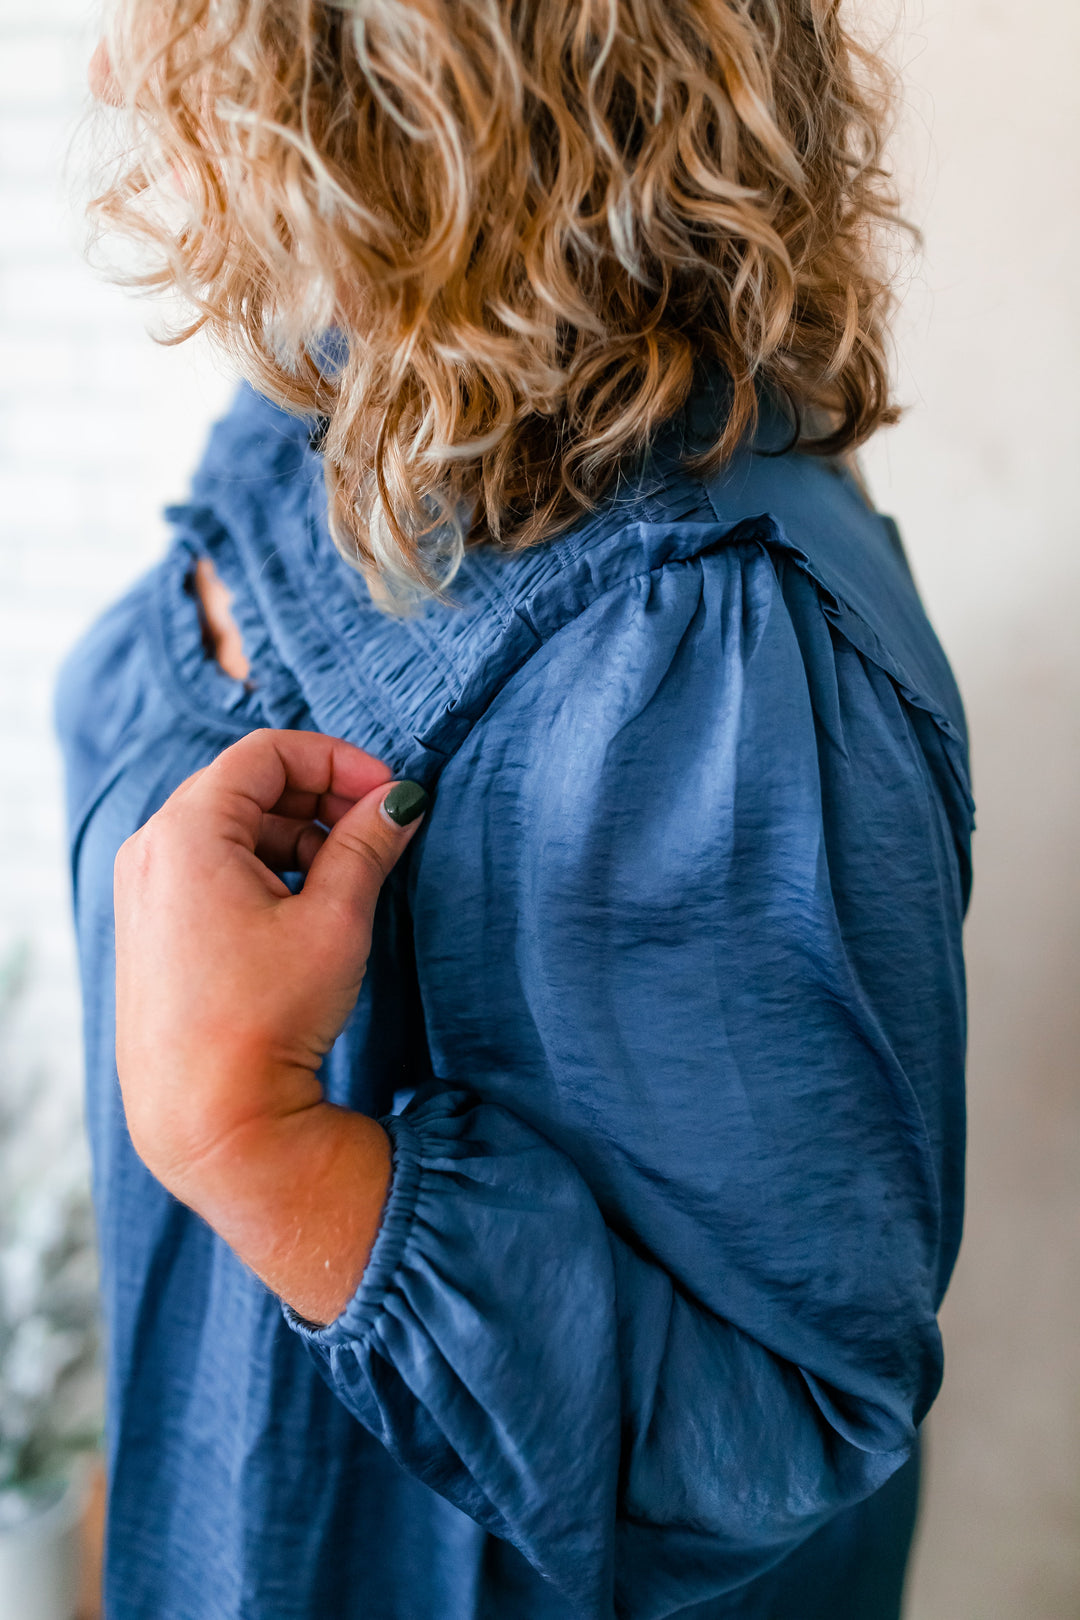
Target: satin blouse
665 1018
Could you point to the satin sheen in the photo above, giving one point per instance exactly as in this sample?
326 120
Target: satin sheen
665 1015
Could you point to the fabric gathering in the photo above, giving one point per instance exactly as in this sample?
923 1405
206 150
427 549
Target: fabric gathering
664 1017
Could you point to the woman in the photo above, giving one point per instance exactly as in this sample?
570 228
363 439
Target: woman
541 1207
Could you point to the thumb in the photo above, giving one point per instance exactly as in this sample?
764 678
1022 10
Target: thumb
362 848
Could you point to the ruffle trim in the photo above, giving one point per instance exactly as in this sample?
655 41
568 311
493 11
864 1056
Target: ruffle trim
195 680
411 689
270 696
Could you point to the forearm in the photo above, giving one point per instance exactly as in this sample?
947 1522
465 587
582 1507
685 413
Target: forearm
231 988
300 1205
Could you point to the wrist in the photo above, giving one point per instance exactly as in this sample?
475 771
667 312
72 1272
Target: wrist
300 1202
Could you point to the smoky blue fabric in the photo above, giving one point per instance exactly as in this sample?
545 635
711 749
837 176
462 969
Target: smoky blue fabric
665 1016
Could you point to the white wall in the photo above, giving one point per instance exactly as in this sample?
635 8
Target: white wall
983 477
98 429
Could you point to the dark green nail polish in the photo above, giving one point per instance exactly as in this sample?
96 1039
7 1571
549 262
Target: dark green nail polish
405 801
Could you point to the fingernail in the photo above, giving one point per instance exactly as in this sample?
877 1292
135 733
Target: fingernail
404 802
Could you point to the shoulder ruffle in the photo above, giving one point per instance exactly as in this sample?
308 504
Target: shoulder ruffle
411 689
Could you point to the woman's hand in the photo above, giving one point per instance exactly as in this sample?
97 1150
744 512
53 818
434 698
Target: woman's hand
230 990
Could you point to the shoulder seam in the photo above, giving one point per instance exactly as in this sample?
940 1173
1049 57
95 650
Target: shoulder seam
468 717
762 532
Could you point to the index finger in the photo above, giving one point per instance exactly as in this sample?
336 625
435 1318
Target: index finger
250 779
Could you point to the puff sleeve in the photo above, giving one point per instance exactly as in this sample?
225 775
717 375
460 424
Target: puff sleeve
654 1293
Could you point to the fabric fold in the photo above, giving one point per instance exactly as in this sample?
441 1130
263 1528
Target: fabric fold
674 968
654 1296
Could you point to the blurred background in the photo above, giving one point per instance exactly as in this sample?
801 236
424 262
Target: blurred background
99 428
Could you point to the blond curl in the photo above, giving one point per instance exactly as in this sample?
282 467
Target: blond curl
487 242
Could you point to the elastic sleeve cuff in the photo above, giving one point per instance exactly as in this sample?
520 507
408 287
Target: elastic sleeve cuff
359 1314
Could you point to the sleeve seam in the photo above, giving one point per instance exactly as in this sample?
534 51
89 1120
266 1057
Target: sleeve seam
743 533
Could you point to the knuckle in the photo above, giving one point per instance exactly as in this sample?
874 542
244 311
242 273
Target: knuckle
145 855
190 783
133 857
362 847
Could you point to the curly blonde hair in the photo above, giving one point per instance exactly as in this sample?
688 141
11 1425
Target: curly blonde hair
522 224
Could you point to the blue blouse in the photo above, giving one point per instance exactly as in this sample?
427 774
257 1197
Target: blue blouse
665 1015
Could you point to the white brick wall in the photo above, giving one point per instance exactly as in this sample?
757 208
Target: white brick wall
98 429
